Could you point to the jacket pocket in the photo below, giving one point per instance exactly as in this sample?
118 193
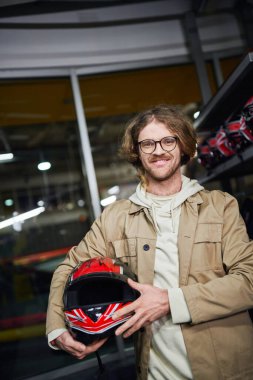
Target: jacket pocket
208 232
125 250
207 254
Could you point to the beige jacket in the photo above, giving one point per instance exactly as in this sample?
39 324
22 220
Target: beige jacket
216 276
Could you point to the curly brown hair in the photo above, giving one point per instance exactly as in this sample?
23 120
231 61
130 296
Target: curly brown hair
177 123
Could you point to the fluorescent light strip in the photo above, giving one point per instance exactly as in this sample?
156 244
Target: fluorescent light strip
113 190
6 156
106 201
22 217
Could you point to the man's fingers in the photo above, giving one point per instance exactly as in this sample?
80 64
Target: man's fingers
95 346
89 349
135 285
125 311
77 349
127 325
77 354
73 348
67 343
78 346
135 327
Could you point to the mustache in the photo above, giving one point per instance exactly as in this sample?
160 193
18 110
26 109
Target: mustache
155 157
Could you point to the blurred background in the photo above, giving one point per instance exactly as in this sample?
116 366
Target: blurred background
72 73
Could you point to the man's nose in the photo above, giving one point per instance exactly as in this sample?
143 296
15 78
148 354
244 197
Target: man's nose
158 149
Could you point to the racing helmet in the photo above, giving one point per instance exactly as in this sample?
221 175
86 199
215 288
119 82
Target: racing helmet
95 289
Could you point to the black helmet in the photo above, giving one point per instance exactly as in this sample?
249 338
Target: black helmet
95 289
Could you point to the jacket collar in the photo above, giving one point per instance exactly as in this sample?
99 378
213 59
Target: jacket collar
196 198
134 208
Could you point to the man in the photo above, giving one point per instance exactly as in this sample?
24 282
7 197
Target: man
191 253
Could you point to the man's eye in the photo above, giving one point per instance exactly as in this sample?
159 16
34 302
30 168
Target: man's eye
168 141
147 144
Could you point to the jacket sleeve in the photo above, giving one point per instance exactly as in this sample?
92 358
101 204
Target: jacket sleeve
232 293
92 245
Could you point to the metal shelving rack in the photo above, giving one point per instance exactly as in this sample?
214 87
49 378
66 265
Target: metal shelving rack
232 167
228 101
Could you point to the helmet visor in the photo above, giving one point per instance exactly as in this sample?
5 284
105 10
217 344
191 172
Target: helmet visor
98 289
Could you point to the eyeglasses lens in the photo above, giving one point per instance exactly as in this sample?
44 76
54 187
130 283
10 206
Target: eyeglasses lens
167 144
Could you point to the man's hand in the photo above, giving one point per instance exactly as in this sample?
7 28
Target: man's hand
152 304
67 343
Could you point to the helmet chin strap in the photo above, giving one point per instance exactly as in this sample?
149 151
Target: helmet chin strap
103 373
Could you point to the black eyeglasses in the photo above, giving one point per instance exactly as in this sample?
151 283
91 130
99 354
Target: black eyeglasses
167 143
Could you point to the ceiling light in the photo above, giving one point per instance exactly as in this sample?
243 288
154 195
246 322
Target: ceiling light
9 202
6 156
7 149
45 165
196 114
80 202
21 217
113 190
106 201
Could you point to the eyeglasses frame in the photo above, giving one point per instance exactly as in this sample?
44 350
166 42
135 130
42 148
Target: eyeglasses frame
159 141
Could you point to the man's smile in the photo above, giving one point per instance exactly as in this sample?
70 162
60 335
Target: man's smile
159 162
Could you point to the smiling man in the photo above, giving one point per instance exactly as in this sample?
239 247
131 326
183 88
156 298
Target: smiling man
192 256
161 159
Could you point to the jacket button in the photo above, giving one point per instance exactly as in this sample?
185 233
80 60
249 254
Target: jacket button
146 247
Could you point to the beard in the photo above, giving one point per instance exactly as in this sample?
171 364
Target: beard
156 174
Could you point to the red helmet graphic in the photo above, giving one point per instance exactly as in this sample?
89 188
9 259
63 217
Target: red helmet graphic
95 289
